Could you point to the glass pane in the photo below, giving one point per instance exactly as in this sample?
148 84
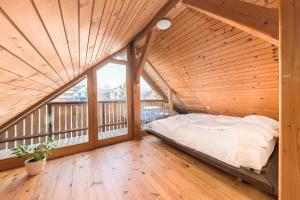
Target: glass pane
153 106
64 119
112 101
69 115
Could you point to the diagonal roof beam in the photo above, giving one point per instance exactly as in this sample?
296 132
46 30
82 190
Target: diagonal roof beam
181 104
154 86
146 50
256 20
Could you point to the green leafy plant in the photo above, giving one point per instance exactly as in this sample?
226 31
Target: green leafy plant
36 152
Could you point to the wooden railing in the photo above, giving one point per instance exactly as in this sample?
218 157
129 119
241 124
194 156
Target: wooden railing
153 110
65 120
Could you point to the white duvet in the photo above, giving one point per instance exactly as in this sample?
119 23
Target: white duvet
232 140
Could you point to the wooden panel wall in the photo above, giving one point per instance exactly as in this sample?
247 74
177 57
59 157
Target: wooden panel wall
216 68
46 43
264 3
163 86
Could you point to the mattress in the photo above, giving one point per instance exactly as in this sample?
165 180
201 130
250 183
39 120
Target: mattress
232 140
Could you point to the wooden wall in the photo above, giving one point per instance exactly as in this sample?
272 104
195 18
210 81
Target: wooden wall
264 3
46 43
162 86
216 68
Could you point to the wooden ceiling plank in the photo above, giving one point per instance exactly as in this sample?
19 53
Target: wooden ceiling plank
146 14
103 27
217 35
230 60
113 24
70 16
14 43
161 14
259 21
7 77
98 12
242 49
49 12
188 23
132 20
124 23
86 8
21 13
22 69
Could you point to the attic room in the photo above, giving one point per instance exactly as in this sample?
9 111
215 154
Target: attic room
149 99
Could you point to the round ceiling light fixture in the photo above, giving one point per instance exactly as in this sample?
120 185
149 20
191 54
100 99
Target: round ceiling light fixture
163 24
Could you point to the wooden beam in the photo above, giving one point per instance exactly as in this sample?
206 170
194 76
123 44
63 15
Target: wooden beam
256 20
92 105
154 86
130 105
147 47
136 96
182 106
119 62
289 138
171 103
160 14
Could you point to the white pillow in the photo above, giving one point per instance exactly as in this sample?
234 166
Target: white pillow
252 134
262 120
254 157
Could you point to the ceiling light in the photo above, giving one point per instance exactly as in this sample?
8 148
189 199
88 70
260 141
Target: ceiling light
163 24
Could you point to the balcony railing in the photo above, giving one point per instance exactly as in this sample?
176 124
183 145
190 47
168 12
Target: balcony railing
67 122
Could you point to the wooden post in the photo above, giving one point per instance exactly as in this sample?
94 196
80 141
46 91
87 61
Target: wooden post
103 116
92 106
289 138
49 121
130 80
133 63
171 103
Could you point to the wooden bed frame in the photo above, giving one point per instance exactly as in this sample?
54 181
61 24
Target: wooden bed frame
266 181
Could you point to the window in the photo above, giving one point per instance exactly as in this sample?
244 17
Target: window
64 119
153 106
112 101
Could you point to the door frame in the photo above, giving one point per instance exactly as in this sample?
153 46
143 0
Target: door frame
94 130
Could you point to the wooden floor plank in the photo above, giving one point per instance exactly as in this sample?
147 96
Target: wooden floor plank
133 170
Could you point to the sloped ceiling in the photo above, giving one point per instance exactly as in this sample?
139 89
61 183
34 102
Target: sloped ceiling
264 3
163 87
216 68
46 43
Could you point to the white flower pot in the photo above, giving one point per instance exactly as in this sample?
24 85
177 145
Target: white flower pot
34 168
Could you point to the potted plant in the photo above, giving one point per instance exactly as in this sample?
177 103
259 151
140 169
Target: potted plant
35 155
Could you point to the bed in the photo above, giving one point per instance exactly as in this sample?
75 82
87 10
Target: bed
245 147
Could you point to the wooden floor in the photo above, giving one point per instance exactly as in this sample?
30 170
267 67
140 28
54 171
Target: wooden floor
134 170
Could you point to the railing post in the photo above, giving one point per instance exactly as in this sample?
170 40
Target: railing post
49 122
103 117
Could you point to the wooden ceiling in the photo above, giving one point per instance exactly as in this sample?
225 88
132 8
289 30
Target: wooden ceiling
264 3
216 68
46 43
